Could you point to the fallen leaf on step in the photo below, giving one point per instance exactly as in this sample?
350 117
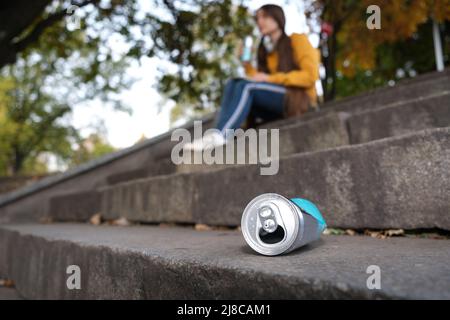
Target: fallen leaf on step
332 231
394 232
374 234
96 219
6 283
350 232
202 227
46 220
383 234
122 222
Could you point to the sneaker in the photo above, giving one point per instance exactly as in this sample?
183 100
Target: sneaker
209 141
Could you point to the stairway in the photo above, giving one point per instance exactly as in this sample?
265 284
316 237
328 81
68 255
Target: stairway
179 263
380 160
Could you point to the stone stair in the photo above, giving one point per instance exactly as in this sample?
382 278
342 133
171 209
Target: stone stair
334 129
180 263
9 294
327 132
380 160
152 157
388 183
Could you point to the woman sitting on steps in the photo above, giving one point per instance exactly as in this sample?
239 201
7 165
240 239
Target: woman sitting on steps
283 85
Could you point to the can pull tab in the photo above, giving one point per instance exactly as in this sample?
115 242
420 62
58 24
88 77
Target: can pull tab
268 221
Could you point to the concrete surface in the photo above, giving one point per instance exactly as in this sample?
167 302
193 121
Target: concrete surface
32 203
9 294
401 182
172 263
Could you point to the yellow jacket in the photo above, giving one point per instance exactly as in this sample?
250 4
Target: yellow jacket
306 57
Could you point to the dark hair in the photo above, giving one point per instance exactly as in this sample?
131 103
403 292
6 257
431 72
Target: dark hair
296 100
286 61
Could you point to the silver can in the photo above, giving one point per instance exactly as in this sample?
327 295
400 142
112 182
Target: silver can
273 225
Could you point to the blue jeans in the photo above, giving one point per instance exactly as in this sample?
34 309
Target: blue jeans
241 96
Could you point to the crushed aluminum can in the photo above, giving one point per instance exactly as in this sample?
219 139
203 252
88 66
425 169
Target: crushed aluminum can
274 225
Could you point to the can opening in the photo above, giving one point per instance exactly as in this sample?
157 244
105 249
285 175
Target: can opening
272 237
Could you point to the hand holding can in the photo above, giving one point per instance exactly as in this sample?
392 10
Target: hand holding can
246 50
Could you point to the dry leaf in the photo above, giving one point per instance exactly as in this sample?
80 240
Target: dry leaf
6 283
383 234
46 220
122 222
202 227
394 232
374 234
96 219
333 231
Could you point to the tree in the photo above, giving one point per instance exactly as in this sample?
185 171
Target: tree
200 42
92 147
22 22
197 37
54 65
38 92
353 49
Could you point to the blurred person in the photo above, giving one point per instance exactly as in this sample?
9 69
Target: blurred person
282 85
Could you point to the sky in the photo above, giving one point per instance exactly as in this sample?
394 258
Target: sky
148 118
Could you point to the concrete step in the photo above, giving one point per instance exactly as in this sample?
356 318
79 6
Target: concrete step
404 92
75 206
180 263
328 131
82 205
397 119
9 294
426 107
400 182
408 90
334 129
156 167
31 203
305 136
